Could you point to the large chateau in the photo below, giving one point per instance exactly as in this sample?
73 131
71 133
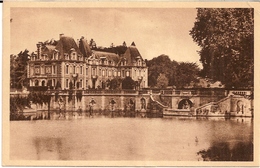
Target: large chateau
67 63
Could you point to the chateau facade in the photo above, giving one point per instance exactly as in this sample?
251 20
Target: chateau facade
69 64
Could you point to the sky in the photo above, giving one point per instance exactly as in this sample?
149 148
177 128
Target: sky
155 31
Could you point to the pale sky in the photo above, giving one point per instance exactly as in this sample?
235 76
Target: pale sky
155 31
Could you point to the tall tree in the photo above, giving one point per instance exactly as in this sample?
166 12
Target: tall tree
185 74
226 38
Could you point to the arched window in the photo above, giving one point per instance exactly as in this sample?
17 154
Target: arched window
43 83
36 83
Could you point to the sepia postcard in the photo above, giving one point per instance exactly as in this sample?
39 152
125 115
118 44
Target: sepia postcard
130 84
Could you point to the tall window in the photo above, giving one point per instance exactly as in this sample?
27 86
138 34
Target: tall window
139 72
54 69
67 83
123 73
80 69
93 71
67 69
100 71
127 73
86 71
71 69
80 83
103 72
74 69
118 73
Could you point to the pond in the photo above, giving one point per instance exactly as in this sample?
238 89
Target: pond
124 138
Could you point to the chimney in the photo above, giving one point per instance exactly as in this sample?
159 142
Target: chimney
61 35
39 49
78 42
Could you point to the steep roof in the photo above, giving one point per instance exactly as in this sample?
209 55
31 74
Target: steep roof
48 49
131 54
65 44
109 56
84 48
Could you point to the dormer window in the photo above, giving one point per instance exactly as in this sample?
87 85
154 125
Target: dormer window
74 56
139 62
66 56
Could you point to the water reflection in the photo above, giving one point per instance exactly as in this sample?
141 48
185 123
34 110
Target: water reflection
107 137
222 151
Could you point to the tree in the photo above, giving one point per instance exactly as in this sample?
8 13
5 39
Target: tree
115 83
162 81
128 83
185 74
18 69
161 64
226 38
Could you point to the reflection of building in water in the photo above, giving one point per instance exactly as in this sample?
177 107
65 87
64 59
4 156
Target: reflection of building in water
66 64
